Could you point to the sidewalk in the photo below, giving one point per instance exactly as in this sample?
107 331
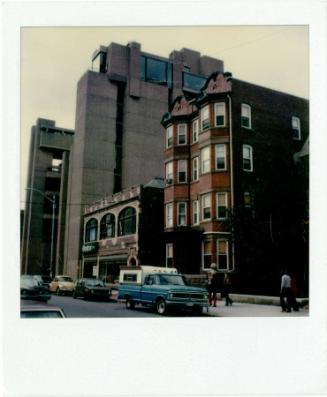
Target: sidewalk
240 309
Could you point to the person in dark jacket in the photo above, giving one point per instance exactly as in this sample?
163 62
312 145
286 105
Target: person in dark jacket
226 289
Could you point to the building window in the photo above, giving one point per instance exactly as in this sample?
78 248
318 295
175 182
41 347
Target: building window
107 226
169 137
220 114
246 116
156 71
205 160
205 118
192 81
195 131
169 173
181 213
91 230
195 169
221 157
206 206
248 200
206 254
195 212
296 128
169 215
247 158
221 205
181 134
182 171
169 255
127 221
222 254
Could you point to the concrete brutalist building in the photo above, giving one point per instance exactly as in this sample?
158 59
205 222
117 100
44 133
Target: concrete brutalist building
43 226
118 137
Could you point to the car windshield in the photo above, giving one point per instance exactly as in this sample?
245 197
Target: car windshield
41 314
28 282
174 279
95 283
65 279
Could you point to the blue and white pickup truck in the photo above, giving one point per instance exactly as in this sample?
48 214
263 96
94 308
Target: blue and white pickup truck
160 288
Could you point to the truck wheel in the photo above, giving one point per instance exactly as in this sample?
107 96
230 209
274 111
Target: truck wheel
161 307
130 304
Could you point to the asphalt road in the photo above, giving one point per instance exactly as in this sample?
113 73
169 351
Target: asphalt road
80 308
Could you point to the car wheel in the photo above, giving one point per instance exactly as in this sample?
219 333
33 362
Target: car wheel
58 291
130 304
161 307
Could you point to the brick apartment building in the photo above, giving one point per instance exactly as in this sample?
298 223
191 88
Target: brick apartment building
231 194
123 229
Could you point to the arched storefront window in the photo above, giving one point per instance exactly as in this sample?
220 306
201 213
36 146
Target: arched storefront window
91 230
107 226
127 221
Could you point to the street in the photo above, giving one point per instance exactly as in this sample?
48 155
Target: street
79 308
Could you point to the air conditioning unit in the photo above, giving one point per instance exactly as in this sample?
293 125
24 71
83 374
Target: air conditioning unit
169 181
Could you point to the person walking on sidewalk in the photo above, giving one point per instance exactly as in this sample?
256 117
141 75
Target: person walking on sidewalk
226 289
213 284
285 292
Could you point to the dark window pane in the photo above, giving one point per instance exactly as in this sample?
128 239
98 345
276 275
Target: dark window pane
220 120
222 261
127 221
156 71
221 212
206 213
107 226
207 261
193 82
169 74
142 67
91 230
205 124
220 163
245 121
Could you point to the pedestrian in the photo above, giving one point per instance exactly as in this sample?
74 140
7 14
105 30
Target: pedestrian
293 302
285 292
213 284
226 289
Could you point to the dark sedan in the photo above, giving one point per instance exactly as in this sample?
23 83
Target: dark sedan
91 288
30 288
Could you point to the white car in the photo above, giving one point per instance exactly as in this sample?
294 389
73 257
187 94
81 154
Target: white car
62 285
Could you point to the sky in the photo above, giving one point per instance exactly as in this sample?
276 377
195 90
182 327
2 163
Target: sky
52 60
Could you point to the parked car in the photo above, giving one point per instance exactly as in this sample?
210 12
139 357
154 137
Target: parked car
30 288
62 285
44 280
30 309
91 288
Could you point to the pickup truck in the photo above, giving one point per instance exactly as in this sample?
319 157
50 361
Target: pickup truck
159 288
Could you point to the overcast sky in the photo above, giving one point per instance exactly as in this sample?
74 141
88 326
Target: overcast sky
54 59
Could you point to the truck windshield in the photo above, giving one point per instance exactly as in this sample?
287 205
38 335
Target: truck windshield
174 279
